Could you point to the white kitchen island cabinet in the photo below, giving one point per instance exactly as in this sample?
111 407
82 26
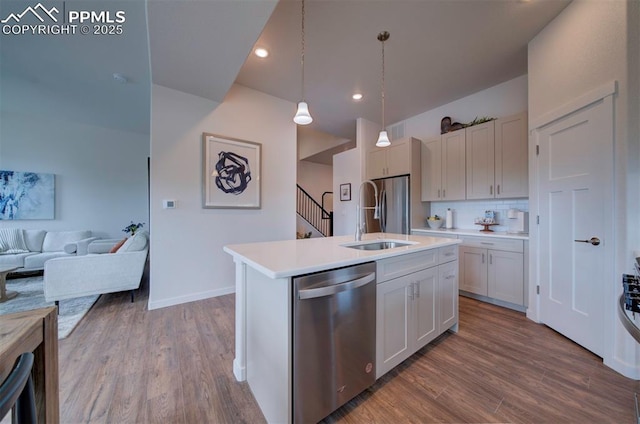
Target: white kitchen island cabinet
417 305
265 274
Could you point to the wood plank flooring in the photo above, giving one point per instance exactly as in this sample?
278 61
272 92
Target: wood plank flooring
124 364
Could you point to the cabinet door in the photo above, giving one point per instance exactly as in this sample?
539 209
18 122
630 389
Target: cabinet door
480 161
393 343
473 270
511 156
399 157
425 286
453 166
447 295
377 163
431 169
506 276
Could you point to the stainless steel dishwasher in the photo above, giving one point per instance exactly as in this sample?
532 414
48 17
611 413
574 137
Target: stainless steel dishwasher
334 339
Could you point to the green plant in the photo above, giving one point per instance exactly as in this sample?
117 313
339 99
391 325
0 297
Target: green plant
132 228
478 121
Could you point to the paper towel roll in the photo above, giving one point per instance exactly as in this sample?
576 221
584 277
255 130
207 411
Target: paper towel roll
449 223
512 213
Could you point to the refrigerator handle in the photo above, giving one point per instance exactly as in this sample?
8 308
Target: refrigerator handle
383 210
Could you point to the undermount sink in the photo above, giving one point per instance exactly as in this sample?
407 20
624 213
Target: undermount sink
378 244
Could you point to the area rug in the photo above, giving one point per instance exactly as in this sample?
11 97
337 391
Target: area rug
31 296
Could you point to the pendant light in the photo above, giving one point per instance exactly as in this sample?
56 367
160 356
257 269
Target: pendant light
383 138
303 117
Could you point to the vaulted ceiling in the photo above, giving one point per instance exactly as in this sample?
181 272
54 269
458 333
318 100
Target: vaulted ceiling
439 51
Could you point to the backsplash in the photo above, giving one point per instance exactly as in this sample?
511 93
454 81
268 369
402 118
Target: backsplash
465 212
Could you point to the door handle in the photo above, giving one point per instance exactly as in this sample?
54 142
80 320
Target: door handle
593 240
329 290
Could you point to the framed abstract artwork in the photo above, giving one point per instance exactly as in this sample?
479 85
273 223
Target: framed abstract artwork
231 173
26 195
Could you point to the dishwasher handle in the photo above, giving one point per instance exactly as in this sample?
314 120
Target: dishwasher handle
336 288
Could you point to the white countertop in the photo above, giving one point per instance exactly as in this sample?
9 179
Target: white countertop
287 258
469 232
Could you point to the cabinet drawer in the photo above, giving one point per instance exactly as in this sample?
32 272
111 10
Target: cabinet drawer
398 266
493 243
428 233
448 254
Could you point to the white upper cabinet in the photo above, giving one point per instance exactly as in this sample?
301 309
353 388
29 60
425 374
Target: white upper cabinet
432 169
480 161
383 162
443 167
511 156
497 158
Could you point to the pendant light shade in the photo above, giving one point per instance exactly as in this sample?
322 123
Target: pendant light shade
383 138
302 114
303 117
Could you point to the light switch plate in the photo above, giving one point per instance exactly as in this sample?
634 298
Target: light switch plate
169 204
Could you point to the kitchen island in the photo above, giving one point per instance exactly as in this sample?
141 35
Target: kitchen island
416 286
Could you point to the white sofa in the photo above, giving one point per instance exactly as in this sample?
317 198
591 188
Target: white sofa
97 273
41 246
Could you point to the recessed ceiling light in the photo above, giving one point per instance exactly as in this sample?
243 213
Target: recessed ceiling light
357 96
261 52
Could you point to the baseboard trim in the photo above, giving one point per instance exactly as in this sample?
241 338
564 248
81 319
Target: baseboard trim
163 303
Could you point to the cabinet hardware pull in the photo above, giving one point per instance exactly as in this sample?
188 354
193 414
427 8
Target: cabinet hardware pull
449 277
444 193
486 242
490 259
438 193
483 258
448 254
498 188
490 189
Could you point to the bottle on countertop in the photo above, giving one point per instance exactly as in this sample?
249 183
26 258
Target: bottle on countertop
449 220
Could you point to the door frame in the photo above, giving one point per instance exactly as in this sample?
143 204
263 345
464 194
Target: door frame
604 93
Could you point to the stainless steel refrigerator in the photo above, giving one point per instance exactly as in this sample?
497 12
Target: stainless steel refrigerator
393 197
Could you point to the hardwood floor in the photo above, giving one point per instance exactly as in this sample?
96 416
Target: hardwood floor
124 364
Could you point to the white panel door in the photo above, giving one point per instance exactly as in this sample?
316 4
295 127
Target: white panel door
453 166
575 183
393 332
473 270
505 276
431 169
480 157
448 295
426 306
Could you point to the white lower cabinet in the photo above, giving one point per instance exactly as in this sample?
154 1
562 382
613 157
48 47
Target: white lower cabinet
495 271
415 308
448 295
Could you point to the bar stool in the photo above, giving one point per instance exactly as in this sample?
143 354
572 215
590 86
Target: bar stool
16 392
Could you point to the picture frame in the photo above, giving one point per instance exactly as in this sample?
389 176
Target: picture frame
345 192
231 173
26 195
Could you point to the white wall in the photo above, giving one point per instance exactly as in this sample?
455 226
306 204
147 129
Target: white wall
100 173
504 99
348 167
315 179
589 44
187 261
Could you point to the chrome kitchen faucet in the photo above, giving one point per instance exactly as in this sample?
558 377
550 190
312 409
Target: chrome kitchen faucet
376 209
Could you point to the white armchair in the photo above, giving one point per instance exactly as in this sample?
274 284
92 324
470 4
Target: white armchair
70 277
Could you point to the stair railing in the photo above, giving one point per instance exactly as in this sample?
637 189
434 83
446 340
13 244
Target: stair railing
313 212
